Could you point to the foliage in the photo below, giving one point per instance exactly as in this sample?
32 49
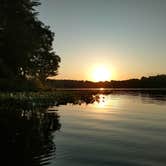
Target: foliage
25 42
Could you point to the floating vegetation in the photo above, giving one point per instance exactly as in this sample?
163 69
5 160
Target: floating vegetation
45 99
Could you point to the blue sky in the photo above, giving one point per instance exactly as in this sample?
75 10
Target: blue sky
127 36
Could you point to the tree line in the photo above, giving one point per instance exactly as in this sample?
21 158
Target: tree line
158 81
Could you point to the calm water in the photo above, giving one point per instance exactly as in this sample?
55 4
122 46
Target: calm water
116 129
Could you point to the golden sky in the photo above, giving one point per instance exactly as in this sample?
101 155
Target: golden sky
127 37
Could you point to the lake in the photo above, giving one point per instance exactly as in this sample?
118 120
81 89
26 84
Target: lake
116 128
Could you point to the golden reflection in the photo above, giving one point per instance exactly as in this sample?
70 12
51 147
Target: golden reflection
100 101
105 102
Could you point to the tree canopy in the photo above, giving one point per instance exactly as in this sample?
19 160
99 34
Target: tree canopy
25 42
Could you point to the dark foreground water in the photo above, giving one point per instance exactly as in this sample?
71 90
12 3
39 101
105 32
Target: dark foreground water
115 129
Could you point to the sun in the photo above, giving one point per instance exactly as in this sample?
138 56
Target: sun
101 73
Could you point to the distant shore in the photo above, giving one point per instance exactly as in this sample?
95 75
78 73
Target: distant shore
157 82
151 82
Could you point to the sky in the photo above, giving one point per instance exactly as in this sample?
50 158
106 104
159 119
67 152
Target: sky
128 37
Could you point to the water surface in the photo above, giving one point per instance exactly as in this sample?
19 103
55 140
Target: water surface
117 128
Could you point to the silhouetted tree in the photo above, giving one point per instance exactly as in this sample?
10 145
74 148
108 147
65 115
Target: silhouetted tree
25 42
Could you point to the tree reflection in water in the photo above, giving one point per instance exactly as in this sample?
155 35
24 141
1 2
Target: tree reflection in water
26 136
27 125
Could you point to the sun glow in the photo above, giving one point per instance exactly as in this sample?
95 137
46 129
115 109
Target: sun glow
101 73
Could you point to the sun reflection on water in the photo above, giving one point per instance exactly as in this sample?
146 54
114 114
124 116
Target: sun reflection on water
101 89
101 101
105 102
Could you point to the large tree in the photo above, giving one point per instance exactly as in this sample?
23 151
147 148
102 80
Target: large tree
25 42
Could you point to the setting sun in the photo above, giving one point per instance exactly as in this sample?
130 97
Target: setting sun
101 73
